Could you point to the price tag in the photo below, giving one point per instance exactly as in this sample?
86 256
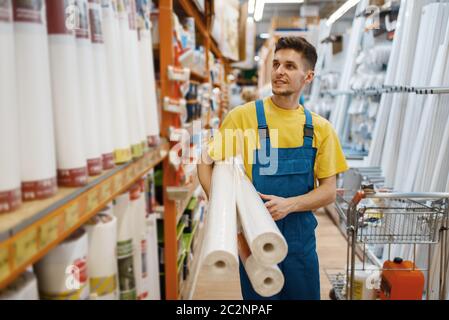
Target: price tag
71 216
4 263
118 181
26 247
49 231
130 174
92 200
106 191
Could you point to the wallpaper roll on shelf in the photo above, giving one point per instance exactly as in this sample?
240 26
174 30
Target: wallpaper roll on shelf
10 194
266 242
120 133
152 259
150 104
62 274
102 100
36 131
266 281
220 243
23 288
89 107
102 257
71 156
125 249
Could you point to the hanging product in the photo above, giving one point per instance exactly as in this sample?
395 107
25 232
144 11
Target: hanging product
150 104
62 274
23 288
10 195
101 85
152 258
120 133
220 251
125 249
102 257
38 159
71 157
89 107
266 242
266 281
133 91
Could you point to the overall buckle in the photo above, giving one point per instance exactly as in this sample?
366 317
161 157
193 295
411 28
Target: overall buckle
308 131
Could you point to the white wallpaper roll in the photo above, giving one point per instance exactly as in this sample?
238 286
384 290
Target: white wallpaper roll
10 195
125 248
152 259
62 274
71 156
139 250
23 288
120 133
103 100
266 242
89 107
266 280
102 257
220 250
36 132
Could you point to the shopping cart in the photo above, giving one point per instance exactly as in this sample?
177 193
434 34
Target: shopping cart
409 219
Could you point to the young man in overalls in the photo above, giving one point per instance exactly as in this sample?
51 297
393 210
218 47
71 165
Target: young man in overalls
289 151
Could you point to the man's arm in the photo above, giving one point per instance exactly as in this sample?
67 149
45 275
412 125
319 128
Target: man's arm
322 196
205 167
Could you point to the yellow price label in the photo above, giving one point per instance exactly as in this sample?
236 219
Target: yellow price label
4 263
130 173
92 200
106 191
118 181
49 231
71 216
26 247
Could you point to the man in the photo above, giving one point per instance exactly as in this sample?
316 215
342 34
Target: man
291 149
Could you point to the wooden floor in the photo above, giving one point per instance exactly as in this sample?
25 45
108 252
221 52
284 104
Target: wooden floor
331 247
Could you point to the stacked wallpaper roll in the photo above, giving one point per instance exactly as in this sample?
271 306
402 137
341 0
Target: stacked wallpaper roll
36 131
89 107
152 259
71 155
102 258
10 194
23 288
137 213
103 100
62 274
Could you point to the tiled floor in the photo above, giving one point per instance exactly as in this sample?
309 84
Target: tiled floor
331 247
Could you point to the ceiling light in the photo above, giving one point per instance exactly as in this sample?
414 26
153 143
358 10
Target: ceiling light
251 4
257 58
264 35
341 11
258 12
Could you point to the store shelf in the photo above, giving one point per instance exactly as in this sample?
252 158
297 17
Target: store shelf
197 77
38 226
182 202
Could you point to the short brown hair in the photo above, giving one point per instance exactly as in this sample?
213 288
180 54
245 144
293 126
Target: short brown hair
300 45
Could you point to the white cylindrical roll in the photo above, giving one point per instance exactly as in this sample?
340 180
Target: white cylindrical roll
266 280
36 132
102 258
71 156
62 274
10 195
266 242
120 133
23 288
220 251
128 39
125 260
150 105
151 282
89 107
101 84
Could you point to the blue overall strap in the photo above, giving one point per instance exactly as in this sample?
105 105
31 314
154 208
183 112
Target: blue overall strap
261 121
308 129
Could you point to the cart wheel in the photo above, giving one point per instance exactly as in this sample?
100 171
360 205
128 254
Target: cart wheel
332 294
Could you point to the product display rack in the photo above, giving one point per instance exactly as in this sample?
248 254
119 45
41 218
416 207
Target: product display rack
29 233
174 207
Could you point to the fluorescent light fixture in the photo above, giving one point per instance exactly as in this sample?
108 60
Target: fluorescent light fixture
264 35
251 4
258 11
341 11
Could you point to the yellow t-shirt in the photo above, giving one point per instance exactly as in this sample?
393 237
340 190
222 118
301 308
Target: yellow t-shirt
238 135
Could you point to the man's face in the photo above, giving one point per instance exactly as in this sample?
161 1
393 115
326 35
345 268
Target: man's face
290 73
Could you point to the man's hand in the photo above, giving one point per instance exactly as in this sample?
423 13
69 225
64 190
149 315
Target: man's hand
278 207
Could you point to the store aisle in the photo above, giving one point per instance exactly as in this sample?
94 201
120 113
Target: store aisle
331 250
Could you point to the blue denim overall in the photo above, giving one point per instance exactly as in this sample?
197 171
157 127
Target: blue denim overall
294 177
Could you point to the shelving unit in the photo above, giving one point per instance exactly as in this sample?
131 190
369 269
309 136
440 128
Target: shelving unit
38 226
176 198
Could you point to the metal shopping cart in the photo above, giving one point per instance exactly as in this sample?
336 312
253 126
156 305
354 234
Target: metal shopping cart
408 219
